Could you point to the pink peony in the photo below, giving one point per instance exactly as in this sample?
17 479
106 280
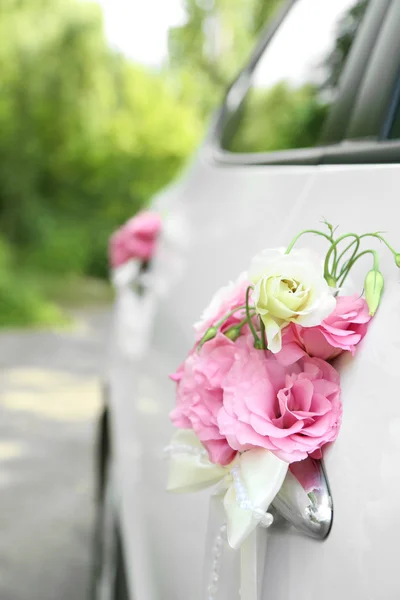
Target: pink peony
342 330
200 395
292 410
226 299
135 239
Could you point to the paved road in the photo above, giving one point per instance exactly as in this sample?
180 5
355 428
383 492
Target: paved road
49 401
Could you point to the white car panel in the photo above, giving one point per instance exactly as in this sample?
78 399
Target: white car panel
160 530
228 214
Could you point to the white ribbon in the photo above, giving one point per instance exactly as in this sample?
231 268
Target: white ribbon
261 473
252 563
132 311
189 467
252 480
123 275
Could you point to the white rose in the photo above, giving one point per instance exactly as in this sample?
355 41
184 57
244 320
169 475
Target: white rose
289 287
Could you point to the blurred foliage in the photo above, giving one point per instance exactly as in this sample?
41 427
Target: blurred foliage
87 137
211 47
346 30
291 112
22 302
297 120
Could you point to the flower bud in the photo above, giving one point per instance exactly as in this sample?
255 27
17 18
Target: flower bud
373 286
233 333
397 259
209 335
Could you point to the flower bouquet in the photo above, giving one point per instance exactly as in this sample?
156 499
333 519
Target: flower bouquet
133 245
258 394
131 250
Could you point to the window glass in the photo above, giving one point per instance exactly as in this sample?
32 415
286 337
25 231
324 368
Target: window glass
395 129
296 80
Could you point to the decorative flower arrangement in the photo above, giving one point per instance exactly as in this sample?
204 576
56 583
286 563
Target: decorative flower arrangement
136 239
131 249
257 392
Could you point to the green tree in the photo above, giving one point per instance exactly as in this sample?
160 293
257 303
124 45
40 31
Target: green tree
210 48
345 34
276 119
87 136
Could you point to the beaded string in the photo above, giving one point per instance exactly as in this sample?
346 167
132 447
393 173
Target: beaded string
264 518
184 449
216 553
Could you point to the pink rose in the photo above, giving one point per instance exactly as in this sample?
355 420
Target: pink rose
200 395
342 330
135 239
224 301
292 410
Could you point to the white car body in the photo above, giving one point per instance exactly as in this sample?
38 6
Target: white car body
226 213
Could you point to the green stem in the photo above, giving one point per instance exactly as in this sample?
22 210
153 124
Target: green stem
314 231
382 239
249 317
229 314
262 331
352 263
333 249
356 241
239 325
213 330
334 263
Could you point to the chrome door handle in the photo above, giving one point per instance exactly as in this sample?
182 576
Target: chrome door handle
310 511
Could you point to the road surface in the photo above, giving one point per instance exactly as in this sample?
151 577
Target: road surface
49 402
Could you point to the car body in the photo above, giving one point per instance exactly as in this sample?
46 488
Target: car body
233 200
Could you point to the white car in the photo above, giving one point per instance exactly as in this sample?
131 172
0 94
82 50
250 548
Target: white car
309 129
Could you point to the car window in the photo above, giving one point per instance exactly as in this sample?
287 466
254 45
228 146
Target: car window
394 133
296 80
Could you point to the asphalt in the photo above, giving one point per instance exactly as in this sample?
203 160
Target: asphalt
49 406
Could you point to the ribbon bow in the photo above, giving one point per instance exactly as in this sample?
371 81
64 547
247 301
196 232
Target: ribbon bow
252 480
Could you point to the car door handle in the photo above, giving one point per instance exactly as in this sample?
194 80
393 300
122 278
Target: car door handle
309 508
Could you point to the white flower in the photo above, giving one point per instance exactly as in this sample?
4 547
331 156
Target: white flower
289 288
224 300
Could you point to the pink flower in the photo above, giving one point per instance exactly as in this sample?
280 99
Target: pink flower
307 473
224 301
135 239
342 330
292 410
200 395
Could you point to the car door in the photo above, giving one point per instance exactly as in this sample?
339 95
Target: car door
258 179
356 188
